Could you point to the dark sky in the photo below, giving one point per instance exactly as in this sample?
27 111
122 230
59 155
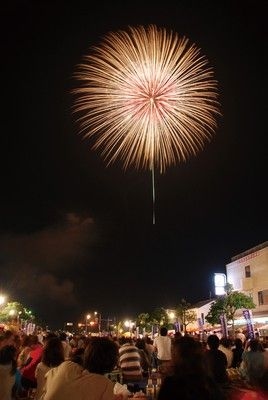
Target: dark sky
77 236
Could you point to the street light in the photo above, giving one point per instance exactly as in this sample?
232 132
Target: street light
174 318
93 320
171 315
12 314
2 299
87 319
129 324
98 321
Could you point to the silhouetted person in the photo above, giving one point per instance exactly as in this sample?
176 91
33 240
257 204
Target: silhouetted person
216 360
190 378
237 353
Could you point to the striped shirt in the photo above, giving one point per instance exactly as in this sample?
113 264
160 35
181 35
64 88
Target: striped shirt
130 362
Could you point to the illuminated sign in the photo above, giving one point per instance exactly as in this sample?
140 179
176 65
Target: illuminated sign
219 283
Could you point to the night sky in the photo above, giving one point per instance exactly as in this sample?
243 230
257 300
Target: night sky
76 235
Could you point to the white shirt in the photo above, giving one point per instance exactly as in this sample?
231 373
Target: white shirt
69 381
228 353
162 345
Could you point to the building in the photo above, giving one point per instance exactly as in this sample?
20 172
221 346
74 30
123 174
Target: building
201 310
248 273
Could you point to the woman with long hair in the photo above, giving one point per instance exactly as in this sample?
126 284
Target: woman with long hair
53 355
190 378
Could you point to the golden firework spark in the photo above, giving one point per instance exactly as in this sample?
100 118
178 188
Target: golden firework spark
147 97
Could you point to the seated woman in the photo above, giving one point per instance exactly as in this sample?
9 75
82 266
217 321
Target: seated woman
28 379
252 367
53 355
70 380
190 379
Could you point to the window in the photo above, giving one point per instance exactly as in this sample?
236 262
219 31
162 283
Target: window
247 271
263 297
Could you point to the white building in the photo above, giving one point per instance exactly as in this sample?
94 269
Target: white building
201 310
248 273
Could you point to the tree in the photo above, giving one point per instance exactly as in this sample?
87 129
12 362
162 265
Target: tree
227 305
143 321
159 316
14 312
185 314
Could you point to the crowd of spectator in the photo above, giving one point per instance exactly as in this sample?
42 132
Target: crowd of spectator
54 366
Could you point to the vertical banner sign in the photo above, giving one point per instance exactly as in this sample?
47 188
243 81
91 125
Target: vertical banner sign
201 328
250 327
200 323
154 330
224 325
177 326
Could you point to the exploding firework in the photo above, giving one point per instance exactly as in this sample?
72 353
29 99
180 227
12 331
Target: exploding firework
147 97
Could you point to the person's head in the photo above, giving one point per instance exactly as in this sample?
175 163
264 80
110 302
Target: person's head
49 335
122 340
226 342
78 356
8 355
213 342
7 338
148 340
163 331
125 340
63 336
255 345
140 343
238 343
101 355
53 353
25 341
187 355
33 340
177 335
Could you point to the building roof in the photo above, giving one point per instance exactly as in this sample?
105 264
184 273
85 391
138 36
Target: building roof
252 250
202 303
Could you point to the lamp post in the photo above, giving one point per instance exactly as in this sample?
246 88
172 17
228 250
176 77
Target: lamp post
93 321
88 316
174 320
99 323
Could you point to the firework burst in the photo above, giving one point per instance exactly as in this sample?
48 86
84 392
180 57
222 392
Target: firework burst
147 97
